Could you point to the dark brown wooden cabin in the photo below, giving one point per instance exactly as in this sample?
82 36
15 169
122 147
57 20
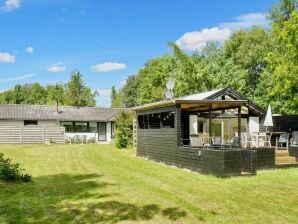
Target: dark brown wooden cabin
163 132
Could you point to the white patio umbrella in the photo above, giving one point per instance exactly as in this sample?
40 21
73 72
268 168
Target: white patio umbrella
268 122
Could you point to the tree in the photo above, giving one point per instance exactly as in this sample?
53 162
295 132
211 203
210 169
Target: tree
282 85
77 94
248 50
116 101
282 11
130 91
124 132
55 93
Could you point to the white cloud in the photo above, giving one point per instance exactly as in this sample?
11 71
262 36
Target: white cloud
247 20
196 40
7 58
17 78
108 67
10 5
30 50
104 92
56 68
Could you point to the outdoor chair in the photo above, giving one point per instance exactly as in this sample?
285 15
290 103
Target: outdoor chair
216 142
265 139
233 143
246 140
196 141
294 141
76 139
282 140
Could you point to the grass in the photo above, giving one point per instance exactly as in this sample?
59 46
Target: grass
100 184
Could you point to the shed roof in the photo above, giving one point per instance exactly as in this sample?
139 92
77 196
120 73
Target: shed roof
211 99
66 113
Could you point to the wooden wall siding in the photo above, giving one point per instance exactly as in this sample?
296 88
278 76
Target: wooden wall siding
286 123
10 135
249 161
293 151
265 158
31 135
163 145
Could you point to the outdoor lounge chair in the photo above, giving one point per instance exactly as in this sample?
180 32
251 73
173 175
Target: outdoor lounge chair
234 143
196 141
283 139
216 142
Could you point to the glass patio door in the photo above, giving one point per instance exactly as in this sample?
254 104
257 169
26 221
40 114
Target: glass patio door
102 131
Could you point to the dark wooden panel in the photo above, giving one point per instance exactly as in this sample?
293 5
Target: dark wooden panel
287 123
249 161
293 151
265 158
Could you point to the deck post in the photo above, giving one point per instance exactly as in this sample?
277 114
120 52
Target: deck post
210 125
239 126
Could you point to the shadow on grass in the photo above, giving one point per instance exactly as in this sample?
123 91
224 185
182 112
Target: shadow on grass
73 199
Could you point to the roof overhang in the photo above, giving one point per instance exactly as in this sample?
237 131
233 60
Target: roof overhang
195 105
205 105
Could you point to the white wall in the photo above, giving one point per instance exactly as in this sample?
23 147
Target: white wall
11 123
253 124
109 132
193 124
48 123
42 123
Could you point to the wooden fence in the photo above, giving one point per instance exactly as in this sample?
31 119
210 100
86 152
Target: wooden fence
31 135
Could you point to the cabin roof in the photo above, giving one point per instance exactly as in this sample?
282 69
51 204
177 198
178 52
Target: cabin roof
66 113
214 99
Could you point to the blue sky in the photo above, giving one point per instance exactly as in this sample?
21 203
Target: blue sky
44 40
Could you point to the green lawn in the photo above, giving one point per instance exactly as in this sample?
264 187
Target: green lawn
100 184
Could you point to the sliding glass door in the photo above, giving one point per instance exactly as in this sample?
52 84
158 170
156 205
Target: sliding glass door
102 131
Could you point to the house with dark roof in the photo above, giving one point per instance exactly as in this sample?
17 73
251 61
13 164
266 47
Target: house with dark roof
195 131
91 123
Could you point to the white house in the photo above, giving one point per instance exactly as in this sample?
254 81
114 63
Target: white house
91 122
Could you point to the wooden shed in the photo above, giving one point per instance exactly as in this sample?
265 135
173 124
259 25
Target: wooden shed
164 129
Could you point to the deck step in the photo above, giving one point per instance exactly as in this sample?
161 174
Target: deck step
286 165
282 158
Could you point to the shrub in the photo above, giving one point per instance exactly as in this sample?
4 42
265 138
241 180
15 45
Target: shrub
124 129
11 171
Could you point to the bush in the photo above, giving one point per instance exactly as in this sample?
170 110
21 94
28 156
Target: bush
11 171
124 129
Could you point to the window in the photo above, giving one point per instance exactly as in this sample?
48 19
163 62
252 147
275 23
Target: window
154 120
143 121
81 126
68 126
167 119
30 122
93 127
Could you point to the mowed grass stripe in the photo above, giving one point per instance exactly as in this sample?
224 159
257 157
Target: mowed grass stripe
100 184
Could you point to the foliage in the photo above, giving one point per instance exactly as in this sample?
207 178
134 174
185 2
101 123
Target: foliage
124 129
283 83
11 171
74 93
259 63
55 93
282 11
116 101
77 94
